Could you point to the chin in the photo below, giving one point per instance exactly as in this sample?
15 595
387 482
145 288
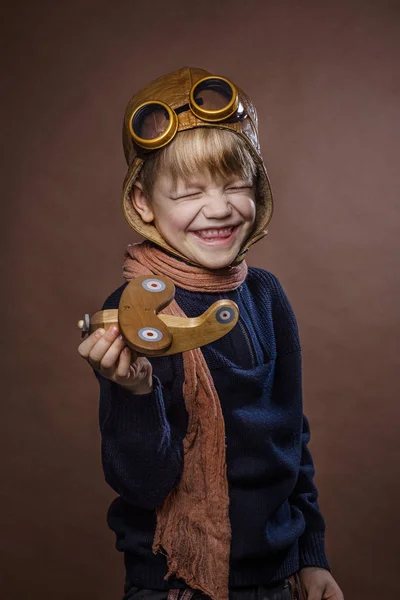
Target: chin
215 267
215 263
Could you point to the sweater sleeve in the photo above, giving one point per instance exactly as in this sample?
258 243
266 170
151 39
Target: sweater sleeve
141 439
304 496
142 454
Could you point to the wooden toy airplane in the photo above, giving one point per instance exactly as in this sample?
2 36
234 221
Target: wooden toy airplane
151 334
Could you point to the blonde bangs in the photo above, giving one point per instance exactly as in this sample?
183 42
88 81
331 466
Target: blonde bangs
220 152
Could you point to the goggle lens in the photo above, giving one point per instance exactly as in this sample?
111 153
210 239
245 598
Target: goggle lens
213 94
214 99
150 122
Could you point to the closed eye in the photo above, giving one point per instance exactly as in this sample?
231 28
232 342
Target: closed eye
239 187
187 196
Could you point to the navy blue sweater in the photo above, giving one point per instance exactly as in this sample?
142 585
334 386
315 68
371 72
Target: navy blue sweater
277 527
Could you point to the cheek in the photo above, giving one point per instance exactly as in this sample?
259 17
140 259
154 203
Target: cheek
252 210
174 220
247 208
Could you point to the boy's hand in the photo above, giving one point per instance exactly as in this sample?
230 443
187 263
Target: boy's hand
107 353
319 584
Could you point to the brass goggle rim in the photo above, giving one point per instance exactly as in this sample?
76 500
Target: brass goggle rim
205 115
162 139
221 113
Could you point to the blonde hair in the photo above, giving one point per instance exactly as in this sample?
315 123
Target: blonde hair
220 151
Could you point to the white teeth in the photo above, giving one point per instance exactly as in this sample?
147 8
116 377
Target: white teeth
215 232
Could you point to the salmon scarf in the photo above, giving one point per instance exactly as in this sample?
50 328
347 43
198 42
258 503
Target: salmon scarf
193 527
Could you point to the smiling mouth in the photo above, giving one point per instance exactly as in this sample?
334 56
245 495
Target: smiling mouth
222 237
215 234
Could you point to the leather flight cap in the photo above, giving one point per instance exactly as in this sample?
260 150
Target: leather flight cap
174 90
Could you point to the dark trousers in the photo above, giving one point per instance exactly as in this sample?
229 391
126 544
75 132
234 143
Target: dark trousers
287 590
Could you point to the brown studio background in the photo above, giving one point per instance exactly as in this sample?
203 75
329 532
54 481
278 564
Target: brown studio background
325 79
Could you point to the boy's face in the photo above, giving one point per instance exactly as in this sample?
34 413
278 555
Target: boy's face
205 219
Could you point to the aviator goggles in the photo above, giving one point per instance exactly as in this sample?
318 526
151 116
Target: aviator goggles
154 124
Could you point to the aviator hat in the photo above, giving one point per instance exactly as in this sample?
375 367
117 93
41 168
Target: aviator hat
182 100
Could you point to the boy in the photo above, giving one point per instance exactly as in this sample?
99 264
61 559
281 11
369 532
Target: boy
207 449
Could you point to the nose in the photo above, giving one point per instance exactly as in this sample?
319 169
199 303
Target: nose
217 207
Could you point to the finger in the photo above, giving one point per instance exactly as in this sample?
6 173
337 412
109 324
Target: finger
86 346
144 369
110 358
124 369
333 593
315 592
103 344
